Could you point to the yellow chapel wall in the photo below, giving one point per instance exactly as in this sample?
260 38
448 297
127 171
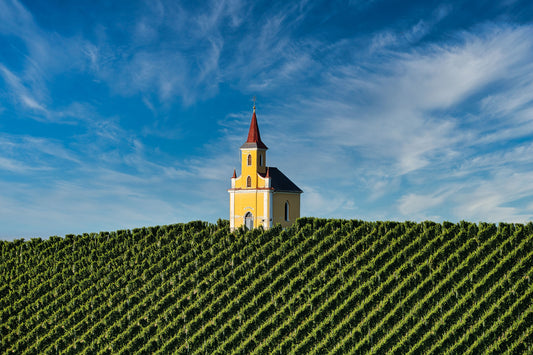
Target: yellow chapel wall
279 199
253 202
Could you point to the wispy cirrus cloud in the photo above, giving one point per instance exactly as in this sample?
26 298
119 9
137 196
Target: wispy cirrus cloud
395 38
20 93
46 54
171 49
496 199
184 53
27 156
400 121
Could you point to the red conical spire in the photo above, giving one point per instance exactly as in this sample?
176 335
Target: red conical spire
254 138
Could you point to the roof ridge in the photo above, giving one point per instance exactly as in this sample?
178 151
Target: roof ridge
280 182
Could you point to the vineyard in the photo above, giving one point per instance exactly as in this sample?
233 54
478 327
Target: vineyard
320 286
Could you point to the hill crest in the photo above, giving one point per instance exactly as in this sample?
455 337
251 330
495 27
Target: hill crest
322 285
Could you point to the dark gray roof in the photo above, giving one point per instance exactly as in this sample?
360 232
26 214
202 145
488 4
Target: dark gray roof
259 145
280 182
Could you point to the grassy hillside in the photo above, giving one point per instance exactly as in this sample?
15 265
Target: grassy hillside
319 286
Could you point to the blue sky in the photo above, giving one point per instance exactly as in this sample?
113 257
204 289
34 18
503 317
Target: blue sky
132 114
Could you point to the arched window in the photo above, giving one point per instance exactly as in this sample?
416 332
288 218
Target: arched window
249 159
287 211
249 220
248 181
260 159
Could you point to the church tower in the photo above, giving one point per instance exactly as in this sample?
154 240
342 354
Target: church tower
261 195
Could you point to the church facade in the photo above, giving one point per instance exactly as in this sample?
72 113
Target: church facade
261 195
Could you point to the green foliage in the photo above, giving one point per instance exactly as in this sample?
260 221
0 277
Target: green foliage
320 286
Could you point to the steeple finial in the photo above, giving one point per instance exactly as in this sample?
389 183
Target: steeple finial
254 104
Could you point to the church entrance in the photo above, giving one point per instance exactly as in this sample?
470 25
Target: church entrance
249 220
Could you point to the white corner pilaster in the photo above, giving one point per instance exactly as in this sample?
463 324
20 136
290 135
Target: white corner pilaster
265 210
271 209
232 209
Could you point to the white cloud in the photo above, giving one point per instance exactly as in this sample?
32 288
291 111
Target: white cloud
395 117
15 19
520 157
19 92
171 50
45 55
102 207
416 204
393 37
494 199
31 103
318 203
14 165
101 192
440 77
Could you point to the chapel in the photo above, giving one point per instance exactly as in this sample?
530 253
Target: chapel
261 195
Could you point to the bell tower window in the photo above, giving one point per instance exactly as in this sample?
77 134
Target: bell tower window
260 159
287 211
248 181
249 159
